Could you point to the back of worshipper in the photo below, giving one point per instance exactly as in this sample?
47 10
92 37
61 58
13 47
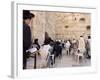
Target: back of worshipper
81 45
67 46
57 49
27 17
44 52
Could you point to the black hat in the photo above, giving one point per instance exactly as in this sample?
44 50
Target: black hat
27 14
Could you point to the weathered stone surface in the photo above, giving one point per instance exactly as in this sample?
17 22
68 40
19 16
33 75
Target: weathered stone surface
54 23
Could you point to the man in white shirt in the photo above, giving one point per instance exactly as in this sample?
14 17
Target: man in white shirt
67 46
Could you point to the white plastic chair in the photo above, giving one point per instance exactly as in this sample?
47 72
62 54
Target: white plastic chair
79 54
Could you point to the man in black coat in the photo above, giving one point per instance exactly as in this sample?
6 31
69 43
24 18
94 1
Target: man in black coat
27 16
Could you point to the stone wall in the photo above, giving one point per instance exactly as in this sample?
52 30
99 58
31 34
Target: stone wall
38 26
60 25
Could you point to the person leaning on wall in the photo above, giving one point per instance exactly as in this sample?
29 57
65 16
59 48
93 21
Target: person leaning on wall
27 17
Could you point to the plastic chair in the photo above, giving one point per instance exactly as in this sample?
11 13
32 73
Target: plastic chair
79 54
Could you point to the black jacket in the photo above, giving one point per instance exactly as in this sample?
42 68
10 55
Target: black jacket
26 37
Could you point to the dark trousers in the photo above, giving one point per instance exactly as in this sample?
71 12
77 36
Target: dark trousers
24 60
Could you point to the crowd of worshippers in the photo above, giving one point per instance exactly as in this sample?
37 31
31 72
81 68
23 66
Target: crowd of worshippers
70 45
51 47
